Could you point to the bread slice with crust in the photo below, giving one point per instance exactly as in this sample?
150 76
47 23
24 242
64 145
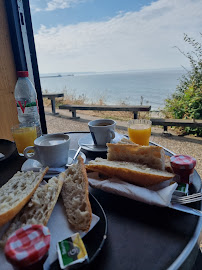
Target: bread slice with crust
134 173
17 192
152 156
76 197
39 208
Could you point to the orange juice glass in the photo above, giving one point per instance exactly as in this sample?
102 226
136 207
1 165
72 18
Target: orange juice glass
139 131
24 135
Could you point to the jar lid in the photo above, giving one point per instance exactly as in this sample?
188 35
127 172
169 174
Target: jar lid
22 74
28 245
183 162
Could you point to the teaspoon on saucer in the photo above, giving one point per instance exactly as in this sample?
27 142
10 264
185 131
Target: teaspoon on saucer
74 158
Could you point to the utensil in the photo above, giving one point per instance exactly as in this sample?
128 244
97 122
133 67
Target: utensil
94 147
187 199
74 158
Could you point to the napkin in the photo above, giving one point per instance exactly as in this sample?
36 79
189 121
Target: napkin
159 195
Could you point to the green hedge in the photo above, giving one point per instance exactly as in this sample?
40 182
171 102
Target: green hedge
186 102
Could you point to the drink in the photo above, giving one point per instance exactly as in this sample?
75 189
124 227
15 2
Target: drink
102 124
26 101
139 131
50 150
53 141
102 131
23 137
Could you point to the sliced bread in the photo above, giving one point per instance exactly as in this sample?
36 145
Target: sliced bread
39 208
134 173
17 192
76 197
152 156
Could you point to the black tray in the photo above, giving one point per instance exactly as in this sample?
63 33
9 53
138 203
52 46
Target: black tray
7 148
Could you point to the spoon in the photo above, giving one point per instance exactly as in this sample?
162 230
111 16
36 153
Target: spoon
74 158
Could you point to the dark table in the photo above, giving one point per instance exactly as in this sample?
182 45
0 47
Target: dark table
139 236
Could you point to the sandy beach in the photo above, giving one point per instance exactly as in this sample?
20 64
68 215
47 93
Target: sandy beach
187 145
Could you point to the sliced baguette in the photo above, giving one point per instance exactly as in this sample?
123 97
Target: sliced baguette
17 192
152 156
137 174
124 140
76 197
39 208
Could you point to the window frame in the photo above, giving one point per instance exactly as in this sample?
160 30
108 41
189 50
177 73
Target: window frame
23 46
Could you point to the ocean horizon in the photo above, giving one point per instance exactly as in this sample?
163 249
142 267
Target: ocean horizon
146 87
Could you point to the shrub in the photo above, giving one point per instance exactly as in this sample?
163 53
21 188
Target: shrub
186 102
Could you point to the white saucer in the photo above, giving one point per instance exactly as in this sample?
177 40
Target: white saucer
87 143
32 164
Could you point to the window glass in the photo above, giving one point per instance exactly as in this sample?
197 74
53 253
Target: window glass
114 51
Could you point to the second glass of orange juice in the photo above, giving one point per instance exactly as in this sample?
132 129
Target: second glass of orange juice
139 131
24 135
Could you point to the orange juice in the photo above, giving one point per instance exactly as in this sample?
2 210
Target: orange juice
24 137
140 134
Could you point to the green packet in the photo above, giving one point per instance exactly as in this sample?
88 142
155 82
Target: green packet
71 251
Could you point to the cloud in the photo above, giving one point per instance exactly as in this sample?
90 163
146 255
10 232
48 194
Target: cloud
51 5
132 40
61 4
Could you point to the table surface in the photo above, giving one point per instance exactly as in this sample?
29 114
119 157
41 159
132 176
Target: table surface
139 236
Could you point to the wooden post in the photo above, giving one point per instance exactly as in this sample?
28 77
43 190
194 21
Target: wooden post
8 78
135 115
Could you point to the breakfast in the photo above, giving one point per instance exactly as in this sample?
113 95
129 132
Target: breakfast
50 150
133 163
71 251
25 255
134 173
39 208
23 199
17 192
102 131
139 131
24 136
76 197
152 156
142 173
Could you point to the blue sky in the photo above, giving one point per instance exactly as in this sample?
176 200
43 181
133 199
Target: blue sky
113 35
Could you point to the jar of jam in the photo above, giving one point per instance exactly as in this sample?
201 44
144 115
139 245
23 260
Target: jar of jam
183 167
27 248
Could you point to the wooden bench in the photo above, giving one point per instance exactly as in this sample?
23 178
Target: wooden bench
52 98
176 122
134 109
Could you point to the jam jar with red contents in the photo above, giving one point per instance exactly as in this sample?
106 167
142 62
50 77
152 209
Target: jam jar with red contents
183 167
27 248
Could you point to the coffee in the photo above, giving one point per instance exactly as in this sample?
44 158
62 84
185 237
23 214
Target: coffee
102 131
52 141
50 150
102 124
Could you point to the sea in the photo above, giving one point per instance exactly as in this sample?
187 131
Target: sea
144 87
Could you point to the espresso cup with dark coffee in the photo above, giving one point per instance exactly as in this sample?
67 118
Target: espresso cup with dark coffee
102 131
50 150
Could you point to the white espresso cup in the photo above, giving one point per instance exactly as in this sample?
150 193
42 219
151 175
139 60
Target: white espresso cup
102 131
50 150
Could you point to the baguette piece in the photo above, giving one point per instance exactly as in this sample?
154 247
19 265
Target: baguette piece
152 156
17 192
124 140
168 166
137 174
39 208
76 197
